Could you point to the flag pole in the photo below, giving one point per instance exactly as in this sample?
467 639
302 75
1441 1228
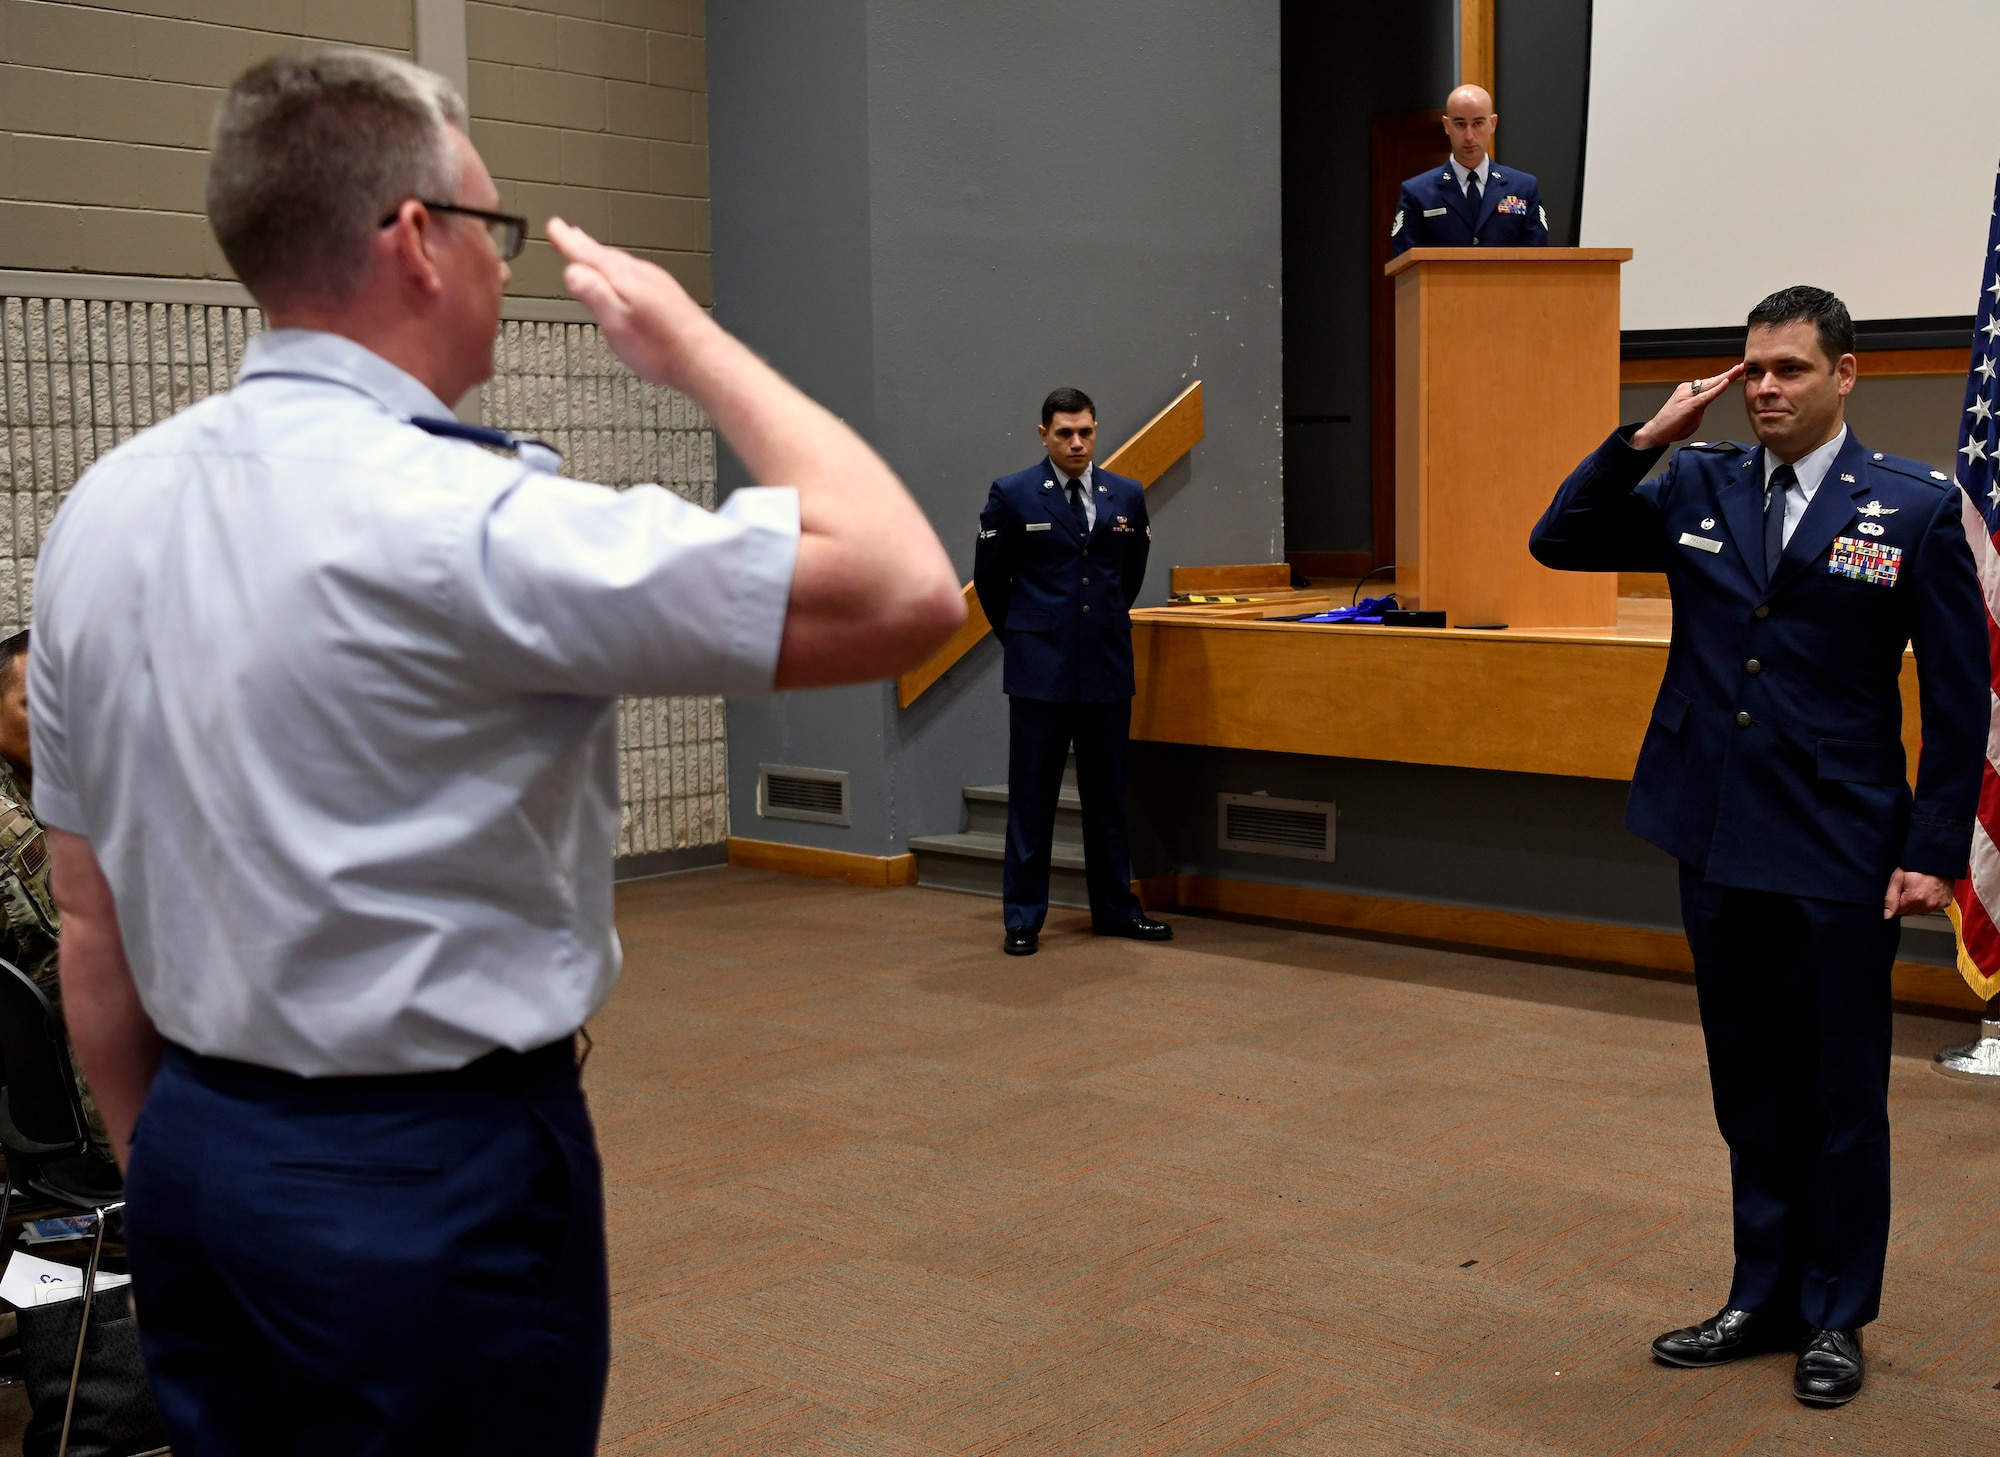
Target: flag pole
1975 905
1977 1061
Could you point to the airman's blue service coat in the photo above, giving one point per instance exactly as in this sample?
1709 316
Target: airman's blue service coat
1432 212
1774 760
1060 604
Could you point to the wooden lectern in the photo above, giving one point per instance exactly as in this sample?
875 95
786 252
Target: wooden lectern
1506 377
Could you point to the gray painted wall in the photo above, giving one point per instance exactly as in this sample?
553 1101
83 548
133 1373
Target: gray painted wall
929 217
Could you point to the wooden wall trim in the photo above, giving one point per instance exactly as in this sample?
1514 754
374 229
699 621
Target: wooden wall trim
1249 577
1875 364
1486 929
1476 47
1160 442
842 865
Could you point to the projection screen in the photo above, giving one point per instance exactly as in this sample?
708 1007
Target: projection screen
1736 148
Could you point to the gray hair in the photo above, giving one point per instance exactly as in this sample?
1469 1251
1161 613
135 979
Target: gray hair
311 150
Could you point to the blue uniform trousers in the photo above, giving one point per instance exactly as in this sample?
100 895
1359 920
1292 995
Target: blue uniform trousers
1039 735
1794 997
371 1265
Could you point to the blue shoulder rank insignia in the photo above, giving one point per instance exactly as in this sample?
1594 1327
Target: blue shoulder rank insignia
537 455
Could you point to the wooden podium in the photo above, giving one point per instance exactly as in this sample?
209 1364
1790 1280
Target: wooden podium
1506 377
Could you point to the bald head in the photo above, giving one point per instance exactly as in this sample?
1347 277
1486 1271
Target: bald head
1468 124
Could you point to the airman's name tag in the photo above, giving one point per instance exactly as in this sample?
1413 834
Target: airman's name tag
1041 525
1435 212
1700 543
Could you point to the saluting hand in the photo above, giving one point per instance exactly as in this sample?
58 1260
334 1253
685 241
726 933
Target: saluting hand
648 319
1681 415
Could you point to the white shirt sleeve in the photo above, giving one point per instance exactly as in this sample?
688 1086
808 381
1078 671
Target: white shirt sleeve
55 798
573 588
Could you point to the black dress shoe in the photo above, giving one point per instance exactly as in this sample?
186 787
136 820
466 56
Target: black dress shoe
1138 929
1723 1337
1021 941
1830 1369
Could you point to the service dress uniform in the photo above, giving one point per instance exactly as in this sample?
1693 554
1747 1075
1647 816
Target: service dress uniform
1435 210
334 700
1057 571
1773 770
32 936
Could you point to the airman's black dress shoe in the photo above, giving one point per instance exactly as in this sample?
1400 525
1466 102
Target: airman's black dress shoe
1138 928
1830 1369
1723 1337
1021 941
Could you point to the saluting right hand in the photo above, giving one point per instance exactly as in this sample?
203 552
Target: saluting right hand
648 319
1681 415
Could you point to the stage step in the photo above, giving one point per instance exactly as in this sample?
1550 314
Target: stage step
971 860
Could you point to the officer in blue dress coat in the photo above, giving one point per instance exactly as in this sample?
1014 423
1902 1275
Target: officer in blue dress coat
1060 559
1773 770
1471 201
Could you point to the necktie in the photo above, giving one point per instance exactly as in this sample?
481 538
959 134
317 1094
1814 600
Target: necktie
1472 192
1076 507
1782 480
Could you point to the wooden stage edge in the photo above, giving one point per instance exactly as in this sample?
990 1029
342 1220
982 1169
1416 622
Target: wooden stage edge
1476 928
1572 703
841 865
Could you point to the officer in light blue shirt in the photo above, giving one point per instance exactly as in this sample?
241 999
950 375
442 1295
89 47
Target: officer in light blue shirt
324 718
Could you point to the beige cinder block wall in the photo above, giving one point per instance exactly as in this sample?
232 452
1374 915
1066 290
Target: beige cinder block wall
117 308
595 109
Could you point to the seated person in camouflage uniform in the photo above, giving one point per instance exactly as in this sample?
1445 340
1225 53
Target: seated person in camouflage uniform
33 925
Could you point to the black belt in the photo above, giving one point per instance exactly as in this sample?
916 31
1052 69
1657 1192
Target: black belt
501 1071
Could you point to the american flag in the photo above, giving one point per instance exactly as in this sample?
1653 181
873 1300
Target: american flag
1975 906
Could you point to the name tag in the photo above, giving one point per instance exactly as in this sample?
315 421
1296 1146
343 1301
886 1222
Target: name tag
1435 212
1700 543
1041 525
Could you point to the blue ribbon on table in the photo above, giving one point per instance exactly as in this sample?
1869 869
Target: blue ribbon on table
1368 609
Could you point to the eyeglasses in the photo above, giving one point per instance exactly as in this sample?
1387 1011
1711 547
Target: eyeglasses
509 233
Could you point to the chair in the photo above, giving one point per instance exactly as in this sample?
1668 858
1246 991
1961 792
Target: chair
46 1135
42 1126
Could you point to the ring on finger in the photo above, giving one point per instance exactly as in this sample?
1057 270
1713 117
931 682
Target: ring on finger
1696 386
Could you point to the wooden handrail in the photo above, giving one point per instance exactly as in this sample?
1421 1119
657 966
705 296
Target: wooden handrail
1160 442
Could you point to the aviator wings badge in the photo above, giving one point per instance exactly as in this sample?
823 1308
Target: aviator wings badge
1876 508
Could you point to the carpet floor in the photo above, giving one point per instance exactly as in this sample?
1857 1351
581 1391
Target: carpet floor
875 1188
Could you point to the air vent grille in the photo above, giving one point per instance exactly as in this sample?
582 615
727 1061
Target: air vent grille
816 795
1262 825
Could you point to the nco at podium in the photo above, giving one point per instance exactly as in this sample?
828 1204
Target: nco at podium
1477 777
